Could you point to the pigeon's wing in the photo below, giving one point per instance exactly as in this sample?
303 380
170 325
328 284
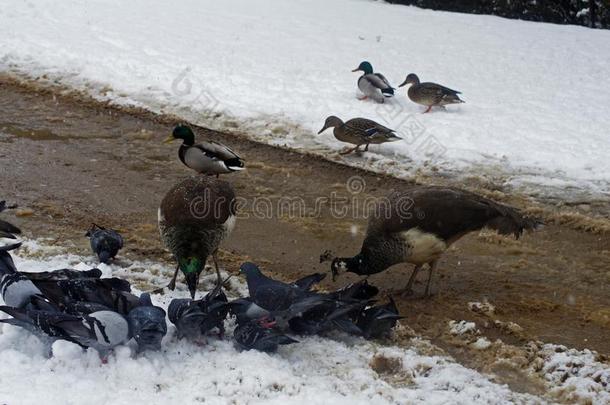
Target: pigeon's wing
305 283
8 227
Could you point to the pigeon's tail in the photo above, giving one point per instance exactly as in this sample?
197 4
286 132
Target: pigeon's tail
305 283
104 256
19 317
347 326
277 340
7 266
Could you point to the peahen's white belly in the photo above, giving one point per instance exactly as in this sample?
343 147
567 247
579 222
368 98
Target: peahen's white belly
422 247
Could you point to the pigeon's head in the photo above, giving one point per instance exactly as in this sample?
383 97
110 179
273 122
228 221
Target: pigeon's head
191 268
250 269
183 132
411 79
94 228
365 67
147 324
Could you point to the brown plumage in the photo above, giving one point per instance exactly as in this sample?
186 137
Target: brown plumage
418 224
195 216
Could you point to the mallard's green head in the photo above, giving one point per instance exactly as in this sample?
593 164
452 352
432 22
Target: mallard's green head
183 132
365 67
191 267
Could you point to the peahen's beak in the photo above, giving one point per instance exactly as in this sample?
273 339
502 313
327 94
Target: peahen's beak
192 280
169 139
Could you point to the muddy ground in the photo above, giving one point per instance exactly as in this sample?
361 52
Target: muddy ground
68 162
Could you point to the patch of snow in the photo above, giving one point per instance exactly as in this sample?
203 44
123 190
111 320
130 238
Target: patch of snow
536 94
462 327
481 343
575 375
315 370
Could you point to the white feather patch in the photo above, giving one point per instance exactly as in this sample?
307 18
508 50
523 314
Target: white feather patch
425 247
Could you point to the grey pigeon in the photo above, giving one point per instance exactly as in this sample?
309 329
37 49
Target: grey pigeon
253 335
378 321
105 243
16 289
195 318
147 324
101 330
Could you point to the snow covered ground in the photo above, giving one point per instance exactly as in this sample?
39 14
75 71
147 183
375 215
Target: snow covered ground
536 94
315 370
341 370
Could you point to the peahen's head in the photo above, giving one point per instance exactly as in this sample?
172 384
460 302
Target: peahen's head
346 264
191 267
183 132
365 67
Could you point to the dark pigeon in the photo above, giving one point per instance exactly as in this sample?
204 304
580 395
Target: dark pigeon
253 335
271 294
378 321
316 322
101 330
105 243
8 230
195 318
246 310
63 274
307 282
360 290
113 293
147 324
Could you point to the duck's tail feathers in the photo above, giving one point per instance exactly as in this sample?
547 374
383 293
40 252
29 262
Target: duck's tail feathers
388 92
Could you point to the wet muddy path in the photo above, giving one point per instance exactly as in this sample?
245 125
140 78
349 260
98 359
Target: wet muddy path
68 162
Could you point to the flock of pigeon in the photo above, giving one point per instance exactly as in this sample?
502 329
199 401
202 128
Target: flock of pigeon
415 225
90 311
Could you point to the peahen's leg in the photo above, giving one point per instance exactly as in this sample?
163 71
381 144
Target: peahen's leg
172 283
409 287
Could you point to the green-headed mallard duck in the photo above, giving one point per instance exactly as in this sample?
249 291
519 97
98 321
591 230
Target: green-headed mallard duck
195 216
430 94
373 85
418 224
359 131
207 157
